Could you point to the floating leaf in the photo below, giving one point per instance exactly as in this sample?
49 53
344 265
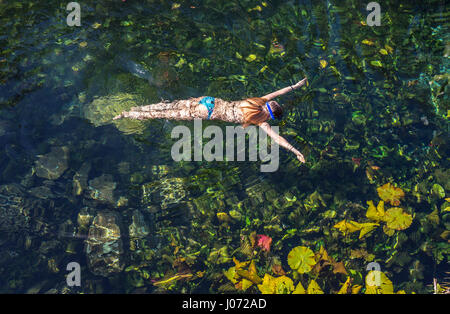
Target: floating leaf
375 213
339 268
347 226
383 51
231 274
397 219
378 283
264 242
390 232
323 64
346 287
299 289
301 259
366 228
244 284
240 265
279 285
313 288
251 274
390 193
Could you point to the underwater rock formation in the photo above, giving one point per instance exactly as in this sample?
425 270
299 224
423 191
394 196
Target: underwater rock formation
102 109
165 192
104 245
52 165
138 228
102 188
12 215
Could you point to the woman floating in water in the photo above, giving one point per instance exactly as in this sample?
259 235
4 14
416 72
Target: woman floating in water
246 112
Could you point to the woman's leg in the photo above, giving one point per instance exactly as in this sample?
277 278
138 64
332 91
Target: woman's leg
178 110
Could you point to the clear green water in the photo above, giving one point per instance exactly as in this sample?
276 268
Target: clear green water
376 113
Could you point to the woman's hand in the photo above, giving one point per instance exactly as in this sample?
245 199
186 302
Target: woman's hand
300 157
301 83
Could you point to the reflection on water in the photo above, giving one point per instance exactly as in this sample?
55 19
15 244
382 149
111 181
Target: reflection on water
75 187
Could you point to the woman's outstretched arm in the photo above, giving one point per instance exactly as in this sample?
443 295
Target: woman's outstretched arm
281 140
285 90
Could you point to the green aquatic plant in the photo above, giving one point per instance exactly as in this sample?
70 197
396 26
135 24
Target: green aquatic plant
301 259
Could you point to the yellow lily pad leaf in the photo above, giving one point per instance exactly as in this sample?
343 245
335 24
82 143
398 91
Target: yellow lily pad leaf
299 289
347 226
390 193
323 64
366 228
313 288
390 232
375 213
378 283
266 287
397 219
283 285
301 259
83 44
279 285
383 51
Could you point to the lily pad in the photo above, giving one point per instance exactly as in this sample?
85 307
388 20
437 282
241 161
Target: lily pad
278 285
390 193
378 283
301 259
397 219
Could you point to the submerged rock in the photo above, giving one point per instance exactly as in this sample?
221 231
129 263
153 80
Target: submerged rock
52 165
138 228
167 191
79 182
102 110
104 245
102 188
12 203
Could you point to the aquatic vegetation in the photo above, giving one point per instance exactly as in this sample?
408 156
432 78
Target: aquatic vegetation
301 259
397 219
276 285
264 242
375 111
104 245
378 283
390 193
52 165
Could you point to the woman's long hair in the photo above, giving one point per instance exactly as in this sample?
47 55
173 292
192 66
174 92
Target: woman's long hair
254 112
